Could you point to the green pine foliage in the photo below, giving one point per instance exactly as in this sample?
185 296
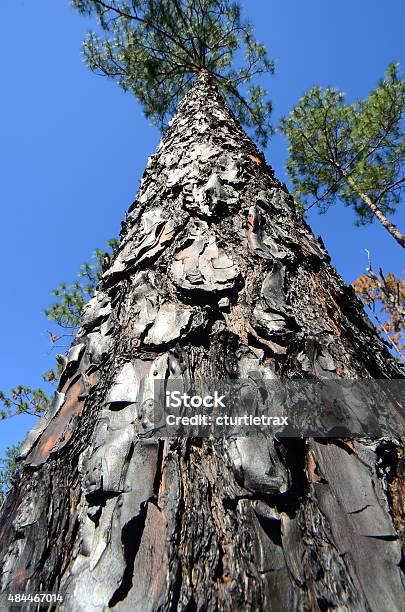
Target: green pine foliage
66 312
155 49
23 399
9 469
349 152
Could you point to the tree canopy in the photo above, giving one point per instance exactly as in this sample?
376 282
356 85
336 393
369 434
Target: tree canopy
156 48
351 152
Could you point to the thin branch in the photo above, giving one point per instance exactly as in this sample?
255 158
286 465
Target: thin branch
390 187
150 24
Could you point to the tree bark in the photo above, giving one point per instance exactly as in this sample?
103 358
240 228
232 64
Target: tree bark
216 274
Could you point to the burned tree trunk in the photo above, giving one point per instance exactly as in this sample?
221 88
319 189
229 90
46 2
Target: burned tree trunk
216 275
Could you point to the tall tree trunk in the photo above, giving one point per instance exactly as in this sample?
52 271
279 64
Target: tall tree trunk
216 275
375 209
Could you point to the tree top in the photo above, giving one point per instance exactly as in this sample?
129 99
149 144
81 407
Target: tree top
156 49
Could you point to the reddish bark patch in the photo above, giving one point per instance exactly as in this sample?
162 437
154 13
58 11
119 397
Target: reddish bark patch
311 468
20 578
256 160
250 231
57 432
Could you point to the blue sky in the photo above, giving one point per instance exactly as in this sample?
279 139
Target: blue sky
73 148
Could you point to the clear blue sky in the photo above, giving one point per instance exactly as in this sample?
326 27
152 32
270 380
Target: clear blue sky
73 148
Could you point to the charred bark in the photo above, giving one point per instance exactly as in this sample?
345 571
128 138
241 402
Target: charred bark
216 275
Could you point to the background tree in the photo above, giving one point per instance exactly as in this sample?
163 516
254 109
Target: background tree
23 399
9 469
66 313
384 298
155 48
353 153
67 309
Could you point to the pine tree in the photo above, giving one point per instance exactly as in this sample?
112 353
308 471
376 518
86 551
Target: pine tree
216 275
350 152
155 48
